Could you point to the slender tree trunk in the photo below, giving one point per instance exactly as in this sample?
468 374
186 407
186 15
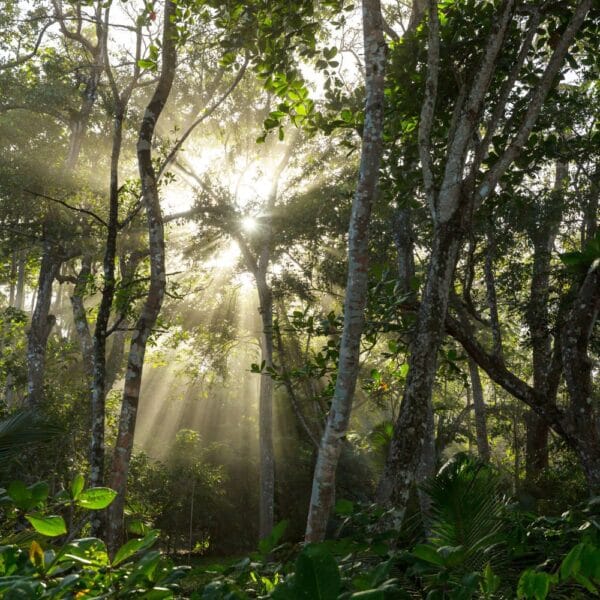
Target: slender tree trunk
323 489
577 366
296 406
410 429
538 320
265 412
41 326
80 317
153 302
99 384
483 446
20 291
41 320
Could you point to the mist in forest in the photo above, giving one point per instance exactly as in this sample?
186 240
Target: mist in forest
302 294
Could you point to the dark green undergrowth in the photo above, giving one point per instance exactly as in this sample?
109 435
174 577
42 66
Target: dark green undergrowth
474 542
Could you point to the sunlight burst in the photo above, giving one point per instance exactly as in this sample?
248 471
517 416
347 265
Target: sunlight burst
249 224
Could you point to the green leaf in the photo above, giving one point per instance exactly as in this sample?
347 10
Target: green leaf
96 498
19 494
344 507
317 574
534 584
50 526
490 581
39 491
571 562
267 544
428 554
133 546
369 595
77 486
572 259
147 64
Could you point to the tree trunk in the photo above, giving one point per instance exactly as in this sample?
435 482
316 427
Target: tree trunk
483 446
411 426
41 326
323 489
542 234
80 317
285 368
41 320
577 366
20 291
99 384
265 412
153 302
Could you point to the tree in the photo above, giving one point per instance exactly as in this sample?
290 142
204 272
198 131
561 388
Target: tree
323 493
452 202
154 298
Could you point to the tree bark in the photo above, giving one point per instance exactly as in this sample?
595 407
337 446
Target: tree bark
265 411
452 205
411 426
42 323
80 318
542 234
483 446
154 298
323 489
577 366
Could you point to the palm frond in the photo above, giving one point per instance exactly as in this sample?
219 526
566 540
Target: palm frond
22 429
466 507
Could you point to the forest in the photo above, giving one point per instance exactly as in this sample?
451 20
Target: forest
299 299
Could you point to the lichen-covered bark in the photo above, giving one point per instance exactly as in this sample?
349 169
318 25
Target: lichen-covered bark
41 325
577 366
323 489
154 298
452 205
411 426
41 320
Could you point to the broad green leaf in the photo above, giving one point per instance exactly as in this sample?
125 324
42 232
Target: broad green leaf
19 494
96 498
344 507
428 554
77 486
267 544
317 575
133 546
490 581
534 585
39 491
50 526
571 563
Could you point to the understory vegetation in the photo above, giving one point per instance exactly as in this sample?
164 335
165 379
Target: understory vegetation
299 300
